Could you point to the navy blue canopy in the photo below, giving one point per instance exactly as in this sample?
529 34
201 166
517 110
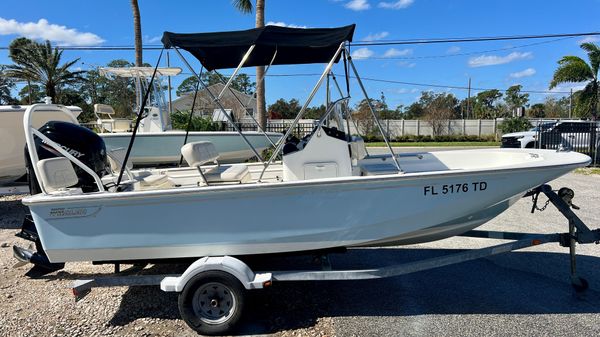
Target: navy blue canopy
221 50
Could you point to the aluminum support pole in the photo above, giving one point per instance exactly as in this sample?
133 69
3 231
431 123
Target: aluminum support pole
362 87
216 100
304 107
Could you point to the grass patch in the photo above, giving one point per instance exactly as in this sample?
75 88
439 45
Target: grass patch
432 144
588 170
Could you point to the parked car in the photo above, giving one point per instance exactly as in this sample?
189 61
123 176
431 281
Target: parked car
525 139
580 136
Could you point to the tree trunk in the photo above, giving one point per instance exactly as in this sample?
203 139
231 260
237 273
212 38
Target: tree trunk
29 90
261 108
595 101
51 92
137 27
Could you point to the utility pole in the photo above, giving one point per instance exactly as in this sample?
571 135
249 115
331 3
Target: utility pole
469 99
571 104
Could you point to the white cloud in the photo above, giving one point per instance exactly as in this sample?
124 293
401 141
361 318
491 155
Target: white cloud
358 5
453 50
525 73
43 30
154 39
407 64
400 4
376 36
492 60
566 87
283 24
589 39
362 53
393 52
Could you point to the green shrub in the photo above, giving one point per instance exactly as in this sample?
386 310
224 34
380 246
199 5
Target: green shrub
514 124
426 138
179 121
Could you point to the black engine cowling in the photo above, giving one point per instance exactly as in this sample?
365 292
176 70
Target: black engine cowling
81 143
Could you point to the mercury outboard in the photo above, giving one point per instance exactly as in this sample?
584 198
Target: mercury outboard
84 145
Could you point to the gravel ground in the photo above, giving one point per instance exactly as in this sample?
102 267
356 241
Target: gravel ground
520 293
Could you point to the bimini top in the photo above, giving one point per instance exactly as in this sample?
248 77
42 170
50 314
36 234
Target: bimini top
221 50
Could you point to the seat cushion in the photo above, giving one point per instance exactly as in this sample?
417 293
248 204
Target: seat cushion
228 173
56 173
378 169
199 153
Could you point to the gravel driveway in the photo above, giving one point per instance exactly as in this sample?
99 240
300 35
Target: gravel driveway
521 293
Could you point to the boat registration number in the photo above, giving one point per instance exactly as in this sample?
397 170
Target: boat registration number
454 188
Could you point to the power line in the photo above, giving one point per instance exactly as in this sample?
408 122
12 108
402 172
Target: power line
470 39
367 43
427 85
461 54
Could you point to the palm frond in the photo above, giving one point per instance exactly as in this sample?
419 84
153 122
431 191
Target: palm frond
593 52
571 69
244 6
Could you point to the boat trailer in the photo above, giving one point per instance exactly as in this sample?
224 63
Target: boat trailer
211 290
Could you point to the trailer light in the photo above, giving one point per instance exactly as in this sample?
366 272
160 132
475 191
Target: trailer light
536 242
267 283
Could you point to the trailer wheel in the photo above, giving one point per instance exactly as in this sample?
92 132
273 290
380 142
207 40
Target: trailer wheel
211 302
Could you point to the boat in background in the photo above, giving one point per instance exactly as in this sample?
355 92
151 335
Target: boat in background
156 142
12 137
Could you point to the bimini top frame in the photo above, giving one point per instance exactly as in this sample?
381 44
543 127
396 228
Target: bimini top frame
270 45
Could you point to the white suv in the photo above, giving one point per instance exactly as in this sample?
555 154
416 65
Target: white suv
525 139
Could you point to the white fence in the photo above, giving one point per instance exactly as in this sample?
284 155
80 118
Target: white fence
470 127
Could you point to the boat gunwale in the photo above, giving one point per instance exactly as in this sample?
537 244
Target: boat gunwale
40 199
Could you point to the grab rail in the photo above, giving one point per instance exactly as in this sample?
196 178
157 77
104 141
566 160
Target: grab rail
30 131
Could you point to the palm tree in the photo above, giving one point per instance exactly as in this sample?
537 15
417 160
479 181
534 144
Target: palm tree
6 86
245 6
137 27
40 63
574 69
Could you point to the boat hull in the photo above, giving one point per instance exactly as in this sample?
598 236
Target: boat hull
279 217
12 136
163 148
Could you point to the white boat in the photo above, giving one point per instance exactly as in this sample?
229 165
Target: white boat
156 142
326 192
12 138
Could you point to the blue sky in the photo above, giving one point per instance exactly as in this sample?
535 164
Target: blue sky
489 64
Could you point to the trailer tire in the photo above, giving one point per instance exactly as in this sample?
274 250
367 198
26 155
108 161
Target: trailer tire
211 302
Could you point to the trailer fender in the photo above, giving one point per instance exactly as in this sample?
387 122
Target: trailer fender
228 264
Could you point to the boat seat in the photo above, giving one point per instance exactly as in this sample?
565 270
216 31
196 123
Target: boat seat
376 169
57 175
141 179
227 174
110 124
197 154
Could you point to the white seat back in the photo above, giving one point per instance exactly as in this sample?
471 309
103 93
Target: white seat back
199 153
56 173
357 145
116 157
104 109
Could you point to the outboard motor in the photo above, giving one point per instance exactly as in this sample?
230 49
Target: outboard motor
82 143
